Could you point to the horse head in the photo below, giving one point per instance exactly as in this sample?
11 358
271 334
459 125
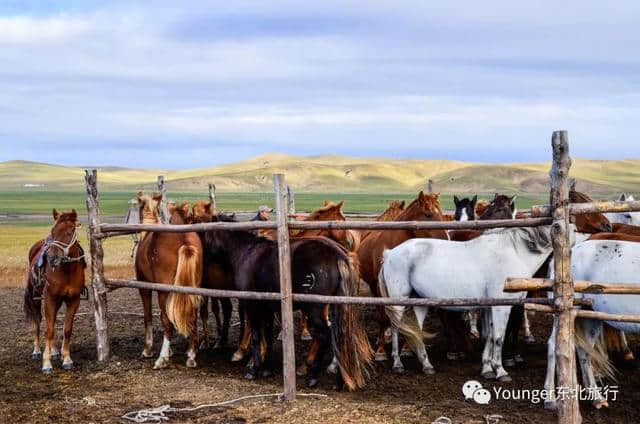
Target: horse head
394 209
63 236
501 207
179 213
330 211
465 208
589 222
149 207
202 211
424 207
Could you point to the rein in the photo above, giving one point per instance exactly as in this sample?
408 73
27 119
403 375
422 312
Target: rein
65 258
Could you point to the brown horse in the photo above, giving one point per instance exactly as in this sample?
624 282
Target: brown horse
395 208
216 274
169 258
632 230
426 207
56 275
589 222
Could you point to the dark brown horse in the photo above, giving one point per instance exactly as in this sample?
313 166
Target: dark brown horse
55 275
169 258
426 207
318 266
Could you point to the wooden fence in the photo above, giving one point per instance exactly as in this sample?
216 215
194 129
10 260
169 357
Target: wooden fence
558 214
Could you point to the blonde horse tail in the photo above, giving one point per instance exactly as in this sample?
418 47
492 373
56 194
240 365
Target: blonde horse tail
350 342
182 308
410 330
598 352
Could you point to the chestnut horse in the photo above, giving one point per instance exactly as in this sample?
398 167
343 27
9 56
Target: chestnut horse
394 209
169 258
426 207
55 275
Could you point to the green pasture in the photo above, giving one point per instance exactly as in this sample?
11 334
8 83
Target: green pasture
115 203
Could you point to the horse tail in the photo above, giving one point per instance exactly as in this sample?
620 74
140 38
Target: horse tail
353 239
598 352
612 338
349 339
182 308
410 330
32 308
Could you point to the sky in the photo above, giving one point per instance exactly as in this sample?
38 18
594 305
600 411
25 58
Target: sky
159 84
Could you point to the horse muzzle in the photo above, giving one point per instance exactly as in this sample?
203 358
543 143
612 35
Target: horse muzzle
54 260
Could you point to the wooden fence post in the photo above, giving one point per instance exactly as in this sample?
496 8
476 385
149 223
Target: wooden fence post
212 195
430 186
100 310
164 211
568 407
291 200
284 261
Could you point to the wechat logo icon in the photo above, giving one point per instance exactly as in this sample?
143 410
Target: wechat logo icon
473 389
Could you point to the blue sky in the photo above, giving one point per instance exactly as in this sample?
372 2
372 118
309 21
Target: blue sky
154 84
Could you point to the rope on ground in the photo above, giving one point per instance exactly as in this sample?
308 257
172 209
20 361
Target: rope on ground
159 414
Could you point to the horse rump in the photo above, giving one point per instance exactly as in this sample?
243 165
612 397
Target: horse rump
182 308
348 337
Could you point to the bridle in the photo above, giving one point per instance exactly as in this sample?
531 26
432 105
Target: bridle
55 260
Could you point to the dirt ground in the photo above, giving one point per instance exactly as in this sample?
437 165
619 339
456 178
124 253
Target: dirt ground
96 392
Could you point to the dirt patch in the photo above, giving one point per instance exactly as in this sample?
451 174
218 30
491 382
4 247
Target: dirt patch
97 392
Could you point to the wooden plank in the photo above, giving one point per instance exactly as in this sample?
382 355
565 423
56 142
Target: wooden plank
568 408
99 300
291 202
164 211
604 207
212 195
314 298
608 317
532 284
284 263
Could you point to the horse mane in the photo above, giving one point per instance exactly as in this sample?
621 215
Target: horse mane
536 239
407 210
578 197
313 216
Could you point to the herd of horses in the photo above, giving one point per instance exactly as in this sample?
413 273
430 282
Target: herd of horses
392 263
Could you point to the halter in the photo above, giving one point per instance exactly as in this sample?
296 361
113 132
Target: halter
65 248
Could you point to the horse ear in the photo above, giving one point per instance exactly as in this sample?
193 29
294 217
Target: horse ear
436 195
74 214
623 197
421 195
474 200
207 205
513 199
402 204
456 201
326 202
496 196
340 204
56 214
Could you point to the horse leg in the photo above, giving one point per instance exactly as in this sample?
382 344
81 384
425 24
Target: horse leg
381 353
146 296
223 335
514 324
51 306
449 332
167 329
72 308
473 323
310 358
550 379
304 330
592 332
487 353
245 331
204 317
499 318
193 342
252 370
421 351
268 334
37 353
528 337
626 351
323 334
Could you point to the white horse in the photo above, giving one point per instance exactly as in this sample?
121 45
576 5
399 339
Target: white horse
630 218
435 269
600 261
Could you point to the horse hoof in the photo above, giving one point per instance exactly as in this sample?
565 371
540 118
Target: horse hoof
191 363
407 354
237 356
47 371
55 356
601 403
218 345
428 370
489 375
398 369
550 405
453 356
475 334
68 366
249 376
146 355
332 369
381 356
306 336
529 340
36 356
302 370
203 346
161 363
511 362
505 379
312 382
629 357
266 373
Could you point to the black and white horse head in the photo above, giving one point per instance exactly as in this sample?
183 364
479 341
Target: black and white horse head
465 208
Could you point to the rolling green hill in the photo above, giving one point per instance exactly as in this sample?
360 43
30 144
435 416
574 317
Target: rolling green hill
332 174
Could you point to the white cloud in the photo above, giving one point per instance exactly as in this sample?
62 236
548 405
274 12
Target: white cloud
28 30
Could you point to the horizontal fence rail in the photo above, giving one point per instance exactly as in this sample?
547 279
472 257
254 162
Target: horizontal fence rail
531 284
604 207
314 298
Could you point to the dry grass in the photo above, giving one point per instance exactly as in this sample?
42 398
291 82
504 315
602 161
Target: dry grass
16 240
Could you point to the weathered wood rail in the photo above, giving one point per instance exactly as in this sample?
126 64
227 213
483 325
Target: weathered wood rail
564 304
